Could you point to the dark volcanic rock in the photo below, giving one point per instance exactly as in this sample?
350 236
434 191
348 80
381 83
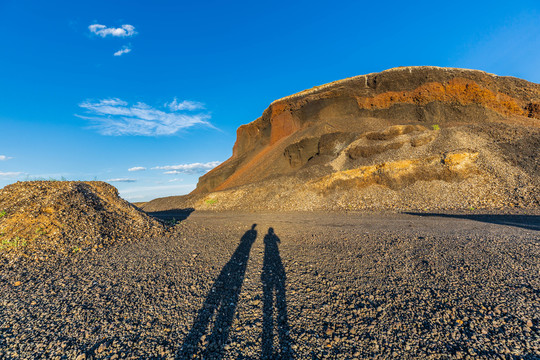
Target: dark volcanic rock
295 286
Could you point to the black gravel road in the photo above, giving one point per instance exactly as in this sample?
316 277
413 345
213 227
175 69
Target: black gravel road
287 286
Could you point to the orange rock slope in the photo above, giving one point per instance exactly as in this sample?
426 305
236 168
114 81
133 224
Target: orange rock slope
425 95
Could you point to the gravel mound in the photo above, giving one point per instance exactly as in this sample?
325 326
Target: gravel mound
44 217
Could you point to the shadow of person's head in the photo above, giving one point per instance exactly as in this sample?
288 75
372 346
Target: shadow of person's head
249 236
271 237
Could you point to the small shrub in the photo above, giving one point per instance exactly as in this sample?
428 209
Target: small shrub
2 213
436 127
211 201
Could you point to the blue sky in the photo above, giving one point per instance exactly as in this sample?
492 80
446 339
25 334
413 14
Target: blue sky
91 90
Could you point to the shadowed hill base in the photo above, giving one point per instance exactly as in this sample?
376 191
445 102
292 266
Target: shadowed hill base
40 217
529 222
405 138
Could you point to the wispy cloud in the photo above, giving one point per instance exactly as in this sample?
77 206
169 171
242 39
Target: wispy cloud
117 117
137 168
122 51
175 105
4 158
125 30
112 102
151 192
195 168
122 180
9 174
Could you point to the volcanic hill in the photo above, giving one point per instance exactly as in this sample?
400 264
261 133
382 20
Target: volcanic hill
38 218
405 138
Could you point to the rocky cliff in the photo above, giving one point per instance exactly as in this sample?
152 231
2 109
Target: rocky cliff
408 137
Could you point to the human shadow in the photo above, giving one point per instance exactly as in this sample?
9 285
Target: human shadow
273 281
220 304
529 222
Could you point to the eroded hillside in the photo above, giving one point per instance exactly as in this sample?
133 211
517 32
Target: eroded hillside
415 137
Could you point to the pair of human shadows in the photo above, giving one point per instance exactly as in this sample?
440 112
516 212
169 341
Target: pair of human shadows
223 297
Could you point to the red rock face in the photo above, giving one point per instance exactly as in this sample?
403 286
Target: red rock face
282 125
246 137
416 96
458 91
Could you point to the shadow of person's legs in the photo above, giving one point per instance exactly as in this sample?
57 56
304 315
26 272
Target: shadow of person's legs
221 302
268 314
273 279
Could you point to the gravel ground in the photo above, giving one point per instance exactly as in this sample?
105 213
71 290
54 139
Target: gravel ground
296 285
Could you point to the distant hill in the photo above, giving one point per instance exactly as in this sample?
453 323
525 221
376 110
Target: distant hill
405 138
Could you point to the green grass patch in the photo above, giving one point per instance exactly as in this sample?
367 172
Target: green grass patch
436 127
211 201
2 213
16 242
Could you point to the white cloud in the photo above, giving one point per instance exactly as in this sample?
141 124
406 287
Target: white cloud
9 174
175 180
125 30
4 157
151 192
122 180
111 102
195 168
122 51
137 168
117 117
184 105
